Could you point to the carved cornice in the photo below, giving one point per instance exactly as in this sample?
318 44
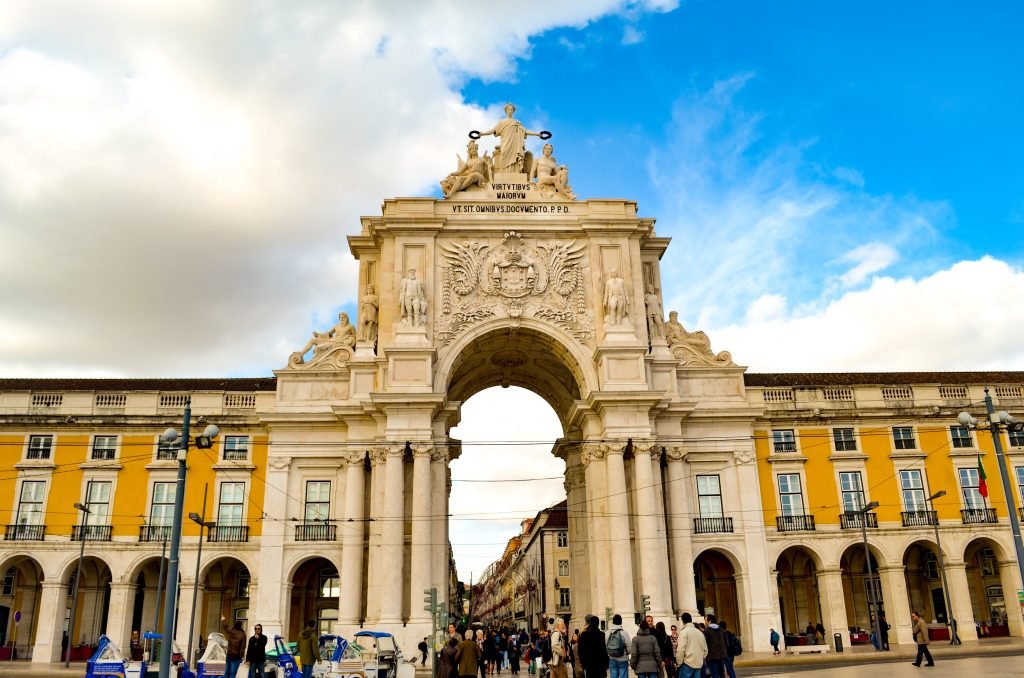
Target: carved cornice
279 463
743 455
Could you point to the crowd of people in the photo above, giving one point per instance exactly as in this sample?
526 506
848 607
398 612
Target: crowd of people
692 651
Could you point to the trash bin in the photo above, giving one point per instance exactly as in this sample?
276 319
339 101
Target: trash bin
838 638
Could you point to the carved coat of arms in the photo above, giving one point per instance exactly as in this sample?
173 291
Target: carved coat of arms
513 279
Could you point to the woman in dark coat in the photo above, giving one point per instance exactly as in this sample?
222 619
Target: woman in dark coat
448 667
667 655
592 650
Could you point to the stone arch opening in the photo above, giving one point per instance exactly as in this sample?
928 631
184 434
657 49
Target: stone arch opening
799 597
854 568
987 580
147 583
924 581
21 579
714 576
225 582
93 604
315 595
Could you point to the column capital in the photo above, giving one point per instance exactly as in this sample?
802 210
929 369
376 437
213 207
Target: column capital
394 450
422 449
592 451
439 454
643 446
279 463
675 452
574 478
378 455
354 457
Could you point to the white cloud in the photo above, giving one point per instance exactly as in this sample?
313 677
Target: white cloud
965 317
631 35
868 258
849 175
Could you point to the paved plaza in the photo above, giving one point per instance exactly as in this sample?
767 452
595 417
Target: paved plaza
1002 666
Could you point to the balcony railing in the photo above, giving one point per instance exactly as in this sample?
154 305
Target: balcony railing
782 446
24 532
855 521
712 525
1020 513
919 518
154 533
319 531
90 533
978 515
235 533
794 523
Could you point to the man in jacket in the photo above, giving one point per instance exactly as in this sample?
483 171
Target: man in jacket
559 650
236 646
921 638
617 647
256 653
467 657
691 650
717 650
593 653
307 647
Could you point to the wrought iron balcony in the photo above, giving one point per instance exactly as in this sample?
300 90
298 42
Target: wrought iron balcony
783 446
24 532
154 533
230 533
316 531
712 525
794 523
855 521
90 533
919 518
978 515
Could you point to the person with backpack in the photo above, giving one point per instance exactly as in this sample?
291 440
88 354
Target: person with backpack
558 643
733 649
617 646
692 649
774 640
592 650
717 650
644 653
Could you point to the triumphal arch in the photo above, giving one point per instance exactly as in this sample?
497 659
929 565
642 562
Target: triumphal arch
510 279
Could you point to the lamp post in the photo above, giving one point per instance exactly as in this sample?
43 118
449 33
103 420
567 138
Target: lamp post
201 521
204 441
78 581
873 605
994 419
954 639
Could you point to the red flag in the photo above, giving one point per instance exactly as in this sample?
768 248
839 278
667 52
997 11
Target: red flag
982 485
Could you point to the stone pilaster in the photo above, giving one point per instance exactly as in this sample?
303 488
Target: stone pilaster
679 530
653 561
592 461
422 532
378 459
618 542
353 528
897 604
392 546
269 605
833 605
51 622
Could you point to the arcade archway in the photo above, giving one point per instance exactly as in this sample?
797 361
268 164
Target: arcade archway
93 602
924 581
315 592
715 580
226 588
20 591
985 581
854 568
799 600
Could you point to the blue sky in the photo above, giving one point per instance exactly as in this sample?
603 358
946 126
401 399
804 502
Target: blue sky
842 181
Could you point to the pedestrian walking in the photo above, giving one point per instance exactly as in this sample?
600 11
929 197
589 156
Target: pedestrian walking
236 647
447 663
884 627
256 652
559 649
922 640
617 646
717 651
692 649
467 656
668 655
733 649
774 639
644 653
820 630
514 652
309 653
593 652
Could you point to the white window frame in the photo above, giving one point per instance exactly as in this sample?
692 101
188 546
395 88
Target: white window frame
905 475
221 504
236 448
969 480
564 597
852 489
1019 471
958 434
844 439
113 448
706 497
21 502
783 509
159 447
899 443
50 438
562 539
780 439
563 567
243 582
320 500
169 495
1015 438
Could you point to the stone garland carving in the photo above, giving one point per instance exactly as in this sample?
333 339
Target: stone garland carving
378 455
743 455
513 279
422 449
332 348
354 457
368 307
675 452
693 348
279 463
643 447
412 300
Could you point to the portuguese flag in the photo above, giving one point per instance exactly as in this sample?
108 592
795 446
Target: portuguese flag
982 485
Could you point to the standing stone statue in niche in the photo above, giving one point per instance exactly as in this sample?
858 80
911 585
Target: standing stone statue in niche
412 298
510 155
474 171
342 334
551 177
368 306
616 301
655 316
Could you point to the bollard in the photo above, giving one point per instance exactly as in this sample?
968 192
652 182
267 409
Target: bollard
838 638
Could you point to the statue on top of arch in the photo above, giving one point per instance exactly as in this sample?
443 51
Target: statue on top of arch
549 178
693 348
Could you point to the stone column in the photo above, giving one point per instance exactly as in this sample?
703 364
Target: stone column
592 458
833 605
422 532
268 606
897 604
392 546
960 600
679 532
439 525
352 529
185 610
51 621
1010 580
119 617
575 493
653 560
378 459
618 542
761 608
